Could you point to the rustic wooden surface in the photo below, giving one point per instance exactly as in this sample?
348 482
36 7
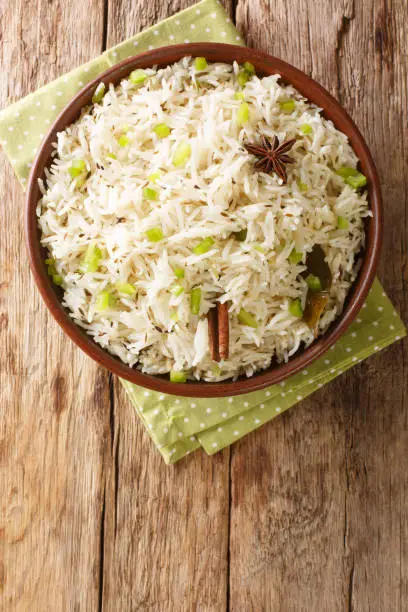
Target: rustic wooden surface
308 513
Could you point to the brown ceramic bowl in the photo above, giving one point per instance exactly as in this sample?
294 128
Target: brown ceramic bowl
265 65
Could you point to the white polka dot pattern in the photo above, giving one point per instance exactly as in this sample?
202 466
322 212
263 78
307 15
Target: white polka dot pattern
241 415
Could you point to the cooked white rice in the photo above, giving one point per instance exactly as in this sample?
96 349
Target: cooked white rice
218 192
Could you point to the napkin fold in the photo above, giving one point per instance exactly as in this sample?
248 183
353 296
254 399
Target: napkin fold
180 425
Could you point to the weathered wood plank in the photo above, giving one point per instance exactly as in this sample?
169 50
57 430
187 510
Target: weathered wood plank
166 538
126 18
54 401
321 493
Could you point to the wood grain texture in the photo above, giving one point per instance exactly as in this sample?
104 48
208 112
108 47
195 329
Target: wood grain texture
166 538
307 513
54 402
330 530
126 17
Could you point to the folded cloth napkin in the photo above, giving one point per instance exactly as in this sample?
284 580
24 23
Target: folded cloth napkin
180 425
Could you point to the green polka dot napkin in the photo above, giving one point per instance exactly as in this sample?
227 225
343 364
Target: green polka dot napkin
180 425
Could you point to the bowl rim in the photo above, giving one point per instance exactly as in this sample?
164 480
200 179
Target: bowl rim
264 64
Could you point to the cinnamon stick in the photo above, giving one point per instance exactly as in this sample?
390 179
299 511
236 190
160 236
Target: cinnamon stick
213 334
218 332
223 330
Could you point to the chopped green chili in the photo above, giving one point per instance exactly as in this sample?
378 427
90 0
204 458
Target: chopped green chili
342 223
243 113
357 181
182 154
162 130
287 106
153 177
123 140
249 68
91 258
204 246
104 300
57 279
216 370
295 308
178 377
99 93
125 288
313 282
195 300
177 290
137 77
243 77
155 234
306 128
77 168
246 318
352 177
295 257
200 63
150 194
179 272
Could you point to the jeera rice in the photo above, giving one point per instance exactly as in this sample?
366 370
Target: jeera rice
153 210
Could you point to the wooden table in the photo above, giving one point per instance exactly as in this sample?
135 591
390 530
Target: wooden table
308 513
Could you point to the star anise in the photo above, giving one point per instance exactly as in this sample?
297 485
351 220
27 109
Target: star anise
272 155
